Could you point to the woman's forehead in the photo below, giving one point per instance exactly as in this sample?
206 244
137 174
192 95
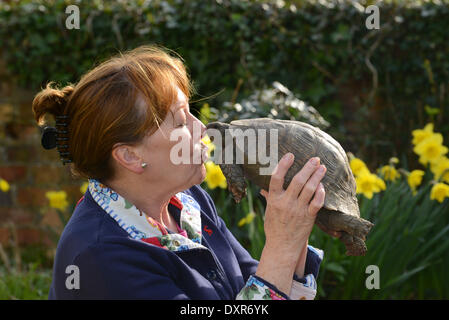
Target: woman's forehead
181 99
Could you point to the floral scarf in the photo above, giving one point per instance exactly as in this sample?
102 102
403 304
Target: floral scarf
142 227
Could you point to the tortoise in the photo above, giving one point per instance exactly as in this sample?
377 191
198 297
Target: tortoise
340 211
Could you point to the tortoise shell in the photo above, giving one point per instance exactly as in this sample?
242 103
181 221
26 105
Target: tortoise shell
340 211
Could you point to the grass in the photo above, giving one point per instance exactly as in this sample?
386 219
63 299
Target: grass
28 284
25 272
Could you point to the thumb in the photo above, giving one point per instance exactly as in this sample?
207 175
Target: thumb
264 193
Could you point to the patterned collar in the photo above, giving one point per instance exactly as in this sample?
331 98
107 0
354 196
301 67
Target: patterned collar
142 227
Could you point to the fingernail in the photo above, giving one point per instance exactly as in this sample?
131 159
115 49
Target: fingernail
288 156
321 186
321 169
315 161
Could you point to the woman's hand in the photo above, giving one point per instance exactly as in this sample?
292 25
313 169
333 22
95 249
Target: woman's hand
289 219
290 214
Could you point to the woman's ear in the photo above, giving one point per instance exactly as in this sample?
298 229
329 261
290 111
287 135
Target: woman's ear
127 157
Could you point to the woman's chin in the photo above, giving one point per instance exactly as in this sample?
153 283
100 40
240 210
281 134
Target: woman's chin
203 172
199 173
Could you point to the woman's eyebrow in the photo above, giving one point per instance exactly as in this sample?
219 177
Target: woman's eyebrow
185 104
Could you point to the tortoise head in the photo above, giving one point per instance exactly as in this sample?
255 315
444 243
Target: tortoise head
220 126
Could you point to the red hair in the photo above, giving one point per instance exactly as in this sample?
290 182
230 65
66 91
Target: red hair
120 101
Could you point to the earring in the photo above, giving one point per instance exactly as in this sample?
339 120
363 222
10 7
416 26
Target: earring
144 165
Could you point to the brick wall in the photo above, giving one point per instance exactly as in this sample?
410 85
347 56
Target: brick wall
30 170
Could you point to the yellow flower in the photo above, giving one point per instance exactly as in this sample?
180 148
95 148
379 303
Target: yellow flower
58 199
414 179
440 168
389 173
247 220
380 183
368 184
431 148
205 113
84 187
421 134
358 166
393 160
214 176
206 140
4 185
439 192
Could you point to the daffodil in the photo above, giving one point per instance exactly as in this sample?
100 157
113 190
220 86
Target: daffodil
4 185
380 183
210 146
439 192
205 113
440 169
389 173
421 134
58 199
368 184
247 219
84 187
214 176
393 160
431 148
358 166
414 179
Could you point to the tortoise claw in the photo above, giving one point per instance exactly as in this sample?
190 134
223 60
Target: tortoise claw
235 179
237 193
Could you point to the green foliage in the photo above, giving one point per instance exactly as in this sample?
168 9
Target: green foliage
276 102
30 284
408 243
320 49
25 272
372 86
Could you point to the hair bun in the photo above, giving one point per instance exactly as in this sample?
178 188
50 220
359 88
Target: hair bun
50 100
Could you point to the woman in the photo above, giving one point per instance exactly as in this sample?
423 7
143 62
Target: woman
145 229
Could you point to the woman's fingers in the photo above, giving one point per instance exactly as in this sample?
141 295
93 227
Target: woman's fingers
277 177
318 200
311 186
300 179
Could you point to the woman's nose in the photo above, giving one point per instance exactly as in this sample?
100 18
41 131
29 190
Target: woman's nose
203 129
201 126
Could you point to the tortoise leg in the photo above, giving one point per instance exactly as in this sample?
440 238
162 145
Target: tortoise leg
353 229
344 222
235 179
355 246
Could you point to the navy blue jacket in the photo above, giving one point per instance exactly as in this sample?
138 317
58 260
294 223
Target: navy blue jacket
112 265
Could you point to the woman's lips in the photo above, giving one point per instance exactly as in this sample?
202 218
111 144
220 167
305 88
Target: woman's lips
204 154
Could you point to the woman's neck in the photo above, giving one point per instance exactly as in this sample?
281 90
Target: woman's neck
154 203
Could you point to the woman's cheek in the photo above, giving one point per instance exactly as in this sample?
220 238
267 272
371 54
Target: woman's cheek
197 153
180 152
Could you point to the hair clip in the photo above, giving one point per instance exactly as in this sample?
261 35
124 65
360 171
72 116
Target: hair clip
51 139
64 161
48 139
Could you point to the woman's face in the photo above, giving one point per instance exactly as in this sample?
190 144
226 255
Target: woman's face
178 138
